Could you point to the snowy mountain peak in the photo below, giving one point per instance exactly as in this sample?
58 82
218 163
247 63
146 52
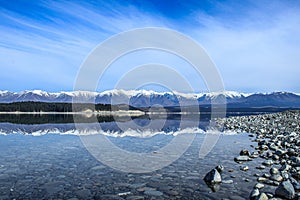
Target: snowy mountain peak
227 94
3 92
144 98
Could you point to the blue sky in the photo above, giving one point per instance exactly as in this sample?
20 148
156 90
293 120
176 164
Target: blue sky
254 44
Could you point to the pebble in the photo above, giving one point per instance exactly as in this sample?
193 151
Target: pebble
262 196
274 170
257 175
244 168
259 185
276 177
285 167
266 175
261 179
254 193
245 152
124 193
268 162
227 181
275 157
261 167
242 159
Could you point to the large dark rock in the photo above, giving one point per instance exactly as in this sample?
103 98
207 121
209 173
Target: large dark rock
213 177
285 190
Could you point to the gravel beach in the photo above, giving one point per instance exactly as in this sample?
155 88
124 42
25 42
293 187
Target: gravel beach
278 143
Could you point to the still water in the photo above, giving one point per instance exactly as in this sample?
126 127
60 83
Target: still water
43 157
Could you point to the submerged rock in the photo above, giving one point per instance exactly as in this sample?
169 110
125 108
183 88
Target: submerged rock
244 168
227 181
242 159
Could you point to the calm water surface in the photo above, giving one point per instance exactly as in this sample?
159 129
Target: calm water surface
46 161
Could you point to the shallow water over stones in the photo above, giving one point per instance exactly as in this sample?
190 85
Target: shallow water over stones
59 167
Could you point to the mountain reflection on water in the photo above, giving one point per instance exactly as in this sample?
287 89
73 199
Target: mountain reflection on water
145 126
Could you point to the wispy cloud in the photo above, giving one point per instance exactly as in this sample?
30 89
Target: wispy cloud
61 42
255 45
257 51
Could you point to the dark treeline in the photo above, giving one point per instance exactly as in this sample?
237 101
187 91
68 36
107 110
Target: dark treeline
52 119
31 106
58 107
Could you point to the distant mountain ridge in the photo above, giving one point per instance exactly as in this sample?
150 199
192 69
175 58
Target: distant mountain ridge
144 98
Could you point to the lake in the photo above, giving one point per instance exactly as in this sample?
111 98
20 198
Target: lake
50 157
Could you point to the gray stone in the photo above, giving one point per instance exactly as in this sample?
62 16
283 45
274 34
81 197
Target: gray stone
242 159
280 152
227 181
276 177
261 167
274 170
259 185
124 194
273 146
266 175
262 196
244 168
213 177
295 183
268 162
261 179
285 190
285 167
275 157
254 193
244 152
257 175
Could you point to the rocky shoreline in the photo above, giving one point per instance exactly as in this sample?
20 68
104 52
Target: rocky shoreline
278 142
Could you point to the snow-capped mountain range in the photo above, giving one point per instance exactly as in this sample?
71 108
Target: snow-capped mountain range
144 98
